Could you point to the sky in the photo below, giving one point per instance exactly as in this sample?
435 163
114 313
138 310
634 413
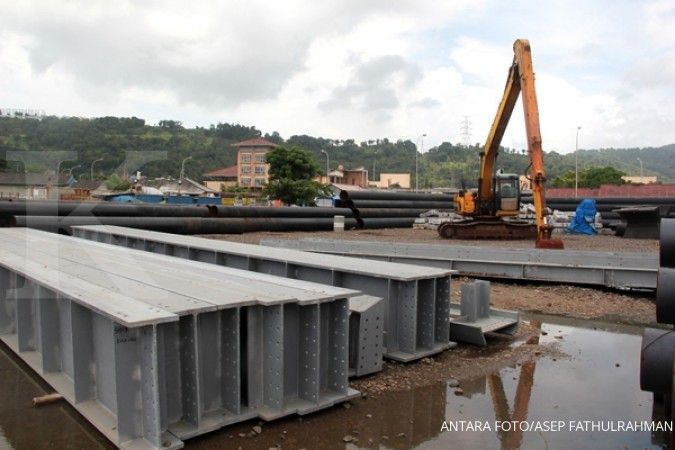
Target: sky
362 69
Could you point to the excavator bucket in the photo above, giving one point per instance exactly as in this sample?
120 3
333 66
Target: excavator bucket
556 244
544 239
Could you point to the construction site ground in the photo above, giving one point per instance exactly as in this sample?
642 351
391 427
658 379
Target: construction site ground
621 307
539 303
404 405
567 300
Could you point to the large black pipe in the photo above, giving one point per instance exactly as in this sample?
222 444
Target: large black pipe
390 212
108 209
268 211
399 204
393 195
607 200
201 225
667 244
183 225
388 222
73 208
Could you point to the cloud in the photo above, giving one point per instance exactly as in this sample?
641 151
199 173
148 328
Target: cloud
348 68
425 103
374 85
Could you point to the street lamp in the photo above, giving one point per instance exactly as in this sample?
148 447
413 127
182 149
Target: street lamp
420 139
576 165
182 167
327 165
92 166
70 170
182 172
640 169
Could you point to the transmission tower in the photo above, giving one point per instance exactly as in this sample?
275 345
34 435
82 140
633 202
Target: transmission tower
465 131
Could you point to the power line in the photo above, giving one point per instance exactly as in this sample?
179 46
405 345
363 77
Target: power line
465 131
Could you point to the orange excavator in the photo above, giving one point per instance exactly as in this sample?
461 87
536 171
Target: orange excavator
491 213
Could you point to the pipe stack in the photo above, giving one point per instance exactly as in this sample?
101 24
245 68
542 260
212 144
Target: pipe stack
192 219
407 206
657 359
606 206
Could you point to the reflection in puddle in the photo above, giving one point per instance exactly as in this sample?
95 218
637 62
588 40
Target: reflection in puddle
23 426
597 382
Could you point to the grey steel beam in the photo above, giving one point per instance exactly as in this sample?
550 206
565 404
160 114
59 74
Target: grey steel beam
474 317
150 363
416 320
611 269
366 335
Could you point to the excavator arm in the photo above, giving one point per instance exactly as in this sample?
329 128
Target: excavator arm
520 79
484 216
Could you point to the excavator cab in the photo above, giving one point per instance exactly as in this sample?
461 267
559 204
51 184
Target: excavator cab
506 194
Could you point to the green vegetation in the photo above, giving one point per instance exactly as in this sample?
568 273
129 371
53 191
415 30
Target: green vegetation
291 176
160 149
236 190
115 183
590 178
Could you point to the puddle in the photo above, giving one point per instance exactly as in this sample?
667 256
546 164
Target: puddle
599 381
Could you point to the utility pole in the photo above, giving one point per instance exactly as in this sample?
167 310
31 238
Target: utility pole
419 140
576 165
182 172
640 168
69 171
92 167
327 165
465 131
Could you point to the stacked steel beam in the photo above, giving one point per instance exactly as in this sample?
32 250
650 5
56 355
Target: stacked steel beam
153 350
625 270
657 359
417 299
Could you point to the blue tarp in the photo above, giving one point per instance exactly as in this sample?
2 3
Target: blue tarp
125 198
584 218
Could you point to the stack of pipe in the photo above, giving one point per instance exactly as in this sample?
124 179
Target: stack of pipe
606 206
657 358
191 219
406 205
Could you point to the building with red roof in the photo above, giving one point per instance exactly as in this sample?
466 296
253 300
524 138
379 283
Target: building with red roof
221 179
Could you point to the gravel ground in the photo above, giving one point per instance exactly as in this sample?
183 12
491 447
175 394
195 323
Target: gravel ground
571 301
572 242
463 362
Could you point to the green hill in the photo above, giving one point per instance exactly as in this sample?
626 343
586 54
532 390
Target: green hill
446 165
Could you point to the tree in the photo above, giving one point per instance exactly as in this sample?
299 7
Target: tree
115 183
171 124
236 190
291 176
592 177
596 176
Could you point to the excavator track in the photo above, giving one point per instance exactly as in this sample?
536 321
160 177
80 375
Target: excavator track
488 229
